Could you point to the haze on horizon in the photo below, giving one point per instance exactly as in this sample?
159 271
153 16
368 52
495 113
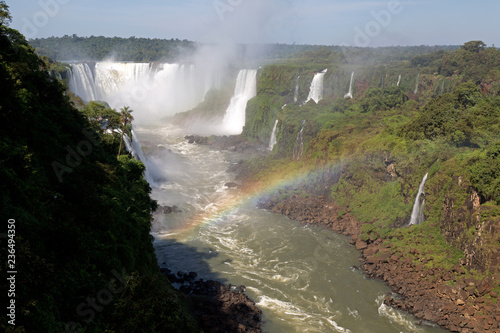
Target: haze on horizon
315 22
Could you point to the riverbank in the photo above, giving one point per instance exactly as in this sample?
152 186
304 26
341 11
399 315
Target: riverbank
452 299
218 307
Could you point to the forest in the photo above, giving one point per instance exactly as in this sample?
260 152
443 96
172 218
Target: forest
82 216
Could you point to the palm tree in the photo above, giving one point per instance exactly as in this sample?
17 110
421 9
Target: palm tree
126 118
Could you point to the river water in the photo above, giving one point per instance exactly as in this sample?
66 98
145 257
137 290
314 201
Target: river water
302 277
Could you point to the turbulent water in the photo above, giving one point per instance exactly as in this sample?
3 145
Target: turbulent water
302 277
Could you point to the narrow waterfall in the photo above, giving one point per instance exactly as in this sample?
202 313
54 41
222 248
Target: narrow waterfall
316 91
416 84
349 94
246 88
296 93
298 150
272 141
134 147
417 214
399 80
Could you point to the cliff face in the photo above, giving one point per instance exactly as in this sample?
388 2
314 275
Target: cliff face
373 151
472 227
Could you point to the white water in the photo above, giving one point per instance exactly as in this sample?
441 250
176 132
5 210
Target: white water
134 147
417 214
399 80
153 90
272 141
296 93
349 94
316 91
246 88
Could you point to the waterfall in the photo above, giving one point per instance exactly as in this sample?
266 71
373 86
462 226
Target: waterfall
417 214
135 149
349 94
299 143
272 141
416 84
316 91
82 82
246 88
154 90
296 93
399 80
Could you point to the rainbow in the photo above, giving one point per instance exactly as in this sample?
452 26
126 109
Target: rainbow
254 191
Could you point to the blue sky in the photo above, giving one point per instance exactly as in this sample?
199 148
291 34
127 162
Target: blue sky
333 22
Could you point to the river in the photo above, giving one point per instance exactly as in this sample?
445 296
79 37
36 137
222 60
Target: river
302 277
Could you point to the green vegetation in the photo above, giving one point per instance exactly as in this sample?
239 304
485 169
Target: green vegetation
436 113
82 216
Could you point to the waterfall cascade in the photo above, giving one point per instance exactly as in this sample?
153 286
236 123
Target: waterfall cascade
399 80
417 214
298 150
416 84
316 91
349 94
272 141
134 147
153 90
296 93
246 88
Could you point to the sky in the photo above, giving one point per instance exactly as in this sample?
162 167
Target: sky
362 23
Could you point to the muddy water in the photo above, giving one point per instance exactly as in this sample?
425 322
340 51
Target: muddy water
302 277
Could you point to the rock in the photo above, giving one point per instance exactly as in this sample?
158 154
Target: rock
361 245
459 302
485 287
231 185
219 307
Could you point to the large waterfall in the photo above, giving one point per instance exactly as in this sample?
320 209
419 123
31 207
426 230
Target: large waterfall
246 88
316 91
152 90
417 214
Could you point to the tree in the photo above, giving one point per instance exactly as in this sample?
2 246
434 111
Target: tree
126 119
474 46
5 17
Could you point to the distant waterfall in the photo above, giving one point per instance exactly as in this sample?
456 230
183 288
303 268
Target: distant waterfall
296 93
316 91
349 94
399 80
299 143
153 90
417 214
246 88
272 141
416 84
